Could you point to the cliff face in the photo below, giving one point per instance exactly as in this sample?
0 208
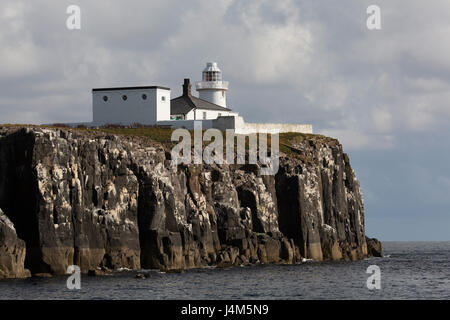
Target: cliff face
12 251
98 200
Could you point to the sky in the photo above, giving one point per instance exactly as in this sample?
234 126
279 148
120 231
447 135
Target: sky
383 93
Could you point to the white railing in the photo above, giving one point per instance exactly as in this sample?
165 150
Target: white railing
212 85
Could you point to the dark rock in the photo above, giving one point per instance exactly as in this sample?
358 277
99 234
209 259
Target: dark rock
224 265
12 251
81 200
173 270
95 273
286 253
109 202
42 275
374 247
106 269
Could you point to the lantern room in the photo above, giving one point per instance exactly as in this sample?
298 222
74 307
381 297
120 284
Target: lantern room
212 88
212 72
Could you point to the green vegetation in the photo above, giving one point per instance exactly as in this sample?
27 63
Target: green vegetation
159 134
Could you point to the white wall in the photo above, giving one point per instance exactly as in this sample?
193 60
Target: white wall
187 124
162 107
210 114
216 96
133 110
273 128
242 127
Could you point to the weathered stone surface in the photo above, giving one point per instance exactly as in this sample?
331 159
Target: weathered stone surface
374 247
12 251
320 203
104 201
72 199
95 273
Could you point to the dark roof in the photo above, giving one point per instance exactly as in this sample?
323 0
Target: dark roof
185 103
130 88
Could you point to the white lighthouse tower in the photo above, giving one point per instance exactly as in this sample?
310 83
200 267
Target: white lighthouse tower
212 88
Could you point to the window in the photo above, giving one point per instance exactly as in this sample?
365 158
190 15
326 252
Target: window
219 114
105 98
144 97
204 115
212 76
124 97
163 98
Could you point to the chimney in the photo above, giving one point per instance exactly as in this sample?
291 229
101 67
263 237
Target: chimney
187 87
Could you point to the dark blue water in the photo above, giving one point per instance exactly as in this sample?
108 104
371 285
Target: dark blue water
410 270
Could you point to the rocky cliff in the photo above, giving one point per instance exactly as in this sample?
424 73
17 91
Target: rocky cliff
98 200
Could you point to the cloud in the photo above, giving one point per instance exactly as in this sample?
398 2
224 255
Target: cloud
354 140
382 119
321 59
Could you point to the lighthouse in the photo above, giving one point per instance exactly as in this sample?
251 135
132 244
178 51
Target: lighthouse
212 88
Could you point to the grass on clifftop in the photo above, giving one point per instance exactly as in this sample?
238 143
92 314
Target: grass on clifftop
163 135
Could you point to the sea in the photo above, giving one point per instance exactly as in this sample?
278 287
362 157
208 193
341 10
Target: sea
409 270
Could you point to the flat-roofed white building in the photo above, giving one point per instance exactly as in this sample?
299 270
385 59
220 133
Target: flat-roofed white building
128 105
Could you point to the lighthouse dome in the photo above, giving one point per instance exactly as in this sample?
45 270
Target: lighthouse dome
211 72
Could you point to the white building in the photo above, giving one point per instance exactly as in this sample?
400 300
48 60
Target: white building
189 107
129 105
151 105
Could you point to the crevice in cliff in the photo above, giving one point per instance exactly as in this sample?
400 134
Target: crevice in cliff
18 193
147 208
289 208
247 198
143 220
